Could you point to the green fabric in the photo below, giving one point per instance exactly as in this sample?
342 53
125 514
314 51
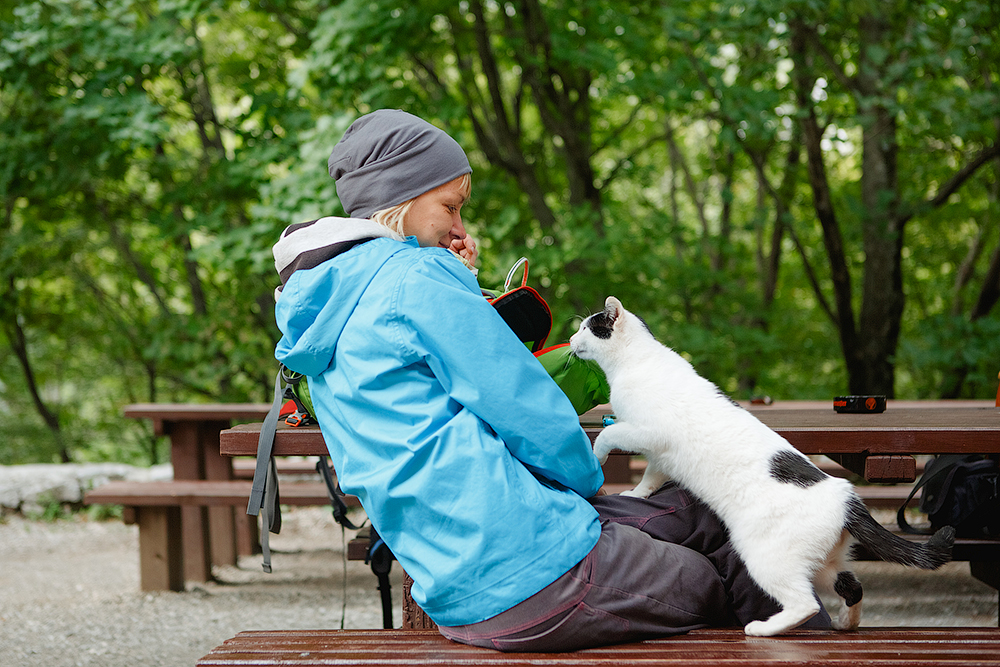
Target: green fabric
581 380
301 391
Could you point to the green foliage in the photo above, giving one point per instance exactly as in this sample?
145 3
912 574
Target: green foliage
51 510
104 512
153 151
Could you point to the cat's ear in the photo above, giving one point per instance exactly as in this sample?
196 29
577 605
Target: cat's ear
613 307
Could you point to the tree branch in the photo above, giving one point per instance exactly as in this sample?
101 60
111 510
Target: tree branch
953 184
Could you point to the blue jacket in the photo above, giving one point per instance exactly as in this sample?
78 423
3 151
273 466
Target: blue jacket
468 459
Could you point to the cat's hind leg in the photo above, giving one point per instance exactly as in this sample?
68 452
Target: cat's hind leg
836 578
793 590
849 588
785 620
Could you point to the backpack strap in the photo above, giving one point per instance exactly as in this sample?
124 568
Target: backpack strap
940 466
264 491
335 494
381 559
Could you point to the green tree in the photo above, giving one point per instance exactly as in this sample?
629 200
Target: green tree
800 196
886 62
140 135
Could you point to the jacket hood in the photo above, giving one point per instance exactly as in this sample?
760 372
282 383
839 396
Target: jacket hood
308 244
317 297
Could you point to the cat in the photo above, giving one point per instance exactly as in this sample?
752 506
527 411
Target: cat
792 524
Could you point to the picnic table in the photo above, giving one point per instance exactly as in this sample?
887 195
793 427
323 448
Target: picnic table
209 534
879 447
214 527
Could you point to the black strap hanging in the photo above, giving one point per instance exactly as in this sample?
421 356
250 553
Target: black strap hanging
380 558
335 494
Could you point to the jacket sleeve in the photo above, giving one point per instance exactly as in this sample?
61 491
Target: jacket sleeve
441 316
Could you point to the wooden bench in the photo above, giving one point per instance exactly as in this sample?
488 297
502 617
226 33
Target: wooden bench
244 467
875 647
156 507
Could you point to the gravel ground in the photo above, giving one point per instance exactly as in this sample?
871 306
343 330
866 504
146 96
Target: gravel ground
69 594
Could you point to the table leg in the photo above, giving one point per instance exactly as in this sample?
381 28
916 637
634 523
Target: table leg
188 462
221 520
617 470
414 618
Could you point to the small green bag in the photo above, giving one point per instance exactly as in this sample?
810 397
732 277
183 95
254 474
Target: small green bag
582 380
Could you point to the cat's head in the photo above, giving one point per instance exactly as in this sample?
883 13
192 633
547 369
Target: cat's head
604 333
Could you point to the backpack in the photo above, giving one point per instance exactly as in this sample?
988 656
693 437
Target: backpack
960 490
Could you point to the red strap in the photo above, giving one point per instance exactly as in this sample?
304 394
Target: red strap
549 349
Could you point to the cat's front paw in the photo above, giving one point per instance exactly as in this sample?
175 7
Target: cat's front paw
602 448
637 492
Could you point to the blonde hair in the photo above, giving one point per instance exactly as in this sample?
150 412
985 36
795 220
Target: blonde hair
394 217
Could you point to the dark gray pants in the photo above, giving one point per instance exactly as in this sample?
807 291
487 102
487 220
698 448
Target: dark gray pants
662 566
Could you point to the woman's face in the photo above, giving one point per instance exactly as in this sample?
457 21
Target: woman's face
435 217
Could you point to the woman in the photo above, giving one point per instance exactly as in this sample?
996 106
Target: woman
468 459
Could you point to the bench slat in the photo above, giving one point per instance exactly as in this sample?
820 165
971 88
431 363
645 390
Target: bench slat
873 646
204 493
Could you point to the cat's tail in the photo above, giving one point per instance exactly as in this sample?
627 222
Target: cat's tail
891 548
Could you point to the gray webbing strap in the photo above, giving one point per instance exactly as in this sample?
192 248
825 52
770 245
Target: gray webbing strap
264 498
265 444
270 516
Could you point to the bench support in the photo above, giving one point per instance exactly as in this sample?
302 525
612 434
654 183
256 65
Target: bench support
161 558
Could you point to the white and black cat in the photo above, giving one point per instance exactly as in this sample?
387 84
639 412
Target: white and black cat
792 524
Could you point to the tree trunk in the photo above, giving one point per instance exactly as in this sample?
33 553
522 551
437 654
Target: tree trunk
833 241
882 288
19 346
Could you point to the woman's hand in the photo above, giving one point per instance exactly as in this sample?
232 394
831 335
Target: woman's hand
467 249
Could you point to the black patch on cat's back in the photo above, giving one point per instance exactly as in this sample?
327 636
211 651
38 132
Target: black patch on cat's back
792 468
600 324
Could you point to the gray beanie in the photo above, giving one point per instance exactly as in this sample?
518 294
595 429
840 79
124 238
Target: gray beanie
388 157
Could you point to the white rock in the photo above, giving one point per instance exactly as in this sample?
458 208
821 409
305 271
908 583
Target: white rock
32 486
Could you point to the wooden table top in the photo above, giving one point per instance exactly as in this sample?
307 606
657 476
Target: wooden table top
933 427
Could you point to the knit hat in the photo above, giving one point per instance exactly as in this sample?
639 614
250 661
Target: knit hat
388 157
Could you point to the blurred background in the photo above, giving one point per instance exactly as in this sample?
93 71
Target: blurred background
801 197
